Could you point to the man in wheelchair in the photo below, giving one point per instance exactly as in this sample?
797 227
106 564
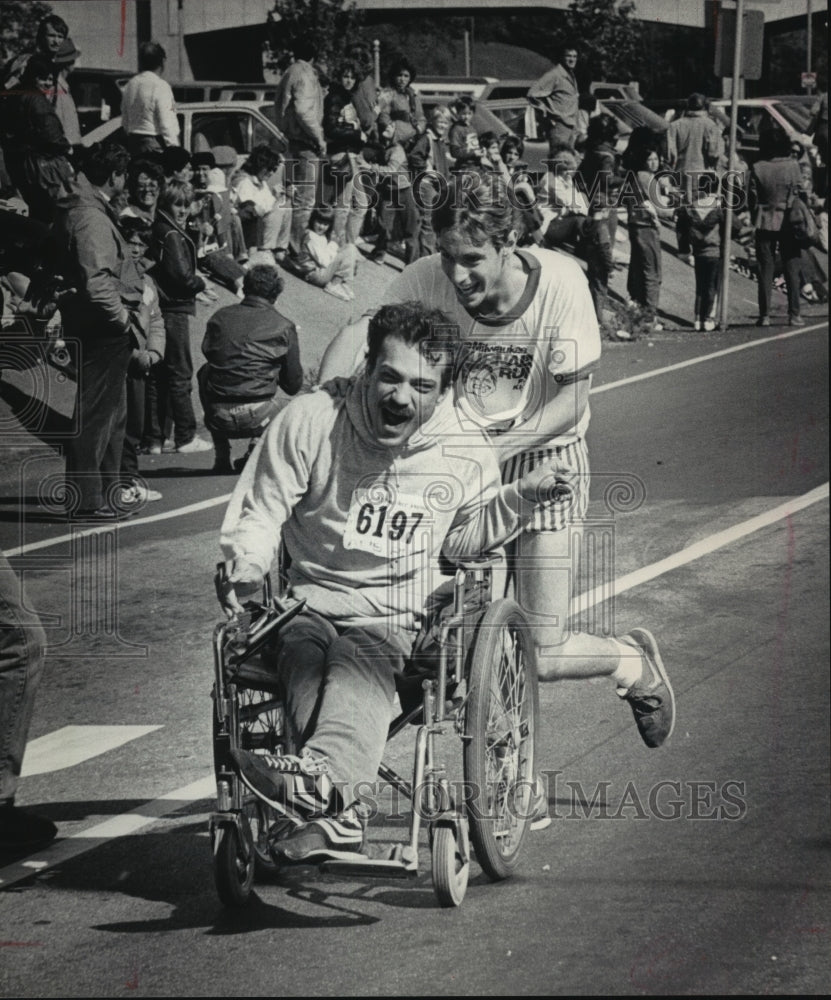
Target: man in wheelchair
366 495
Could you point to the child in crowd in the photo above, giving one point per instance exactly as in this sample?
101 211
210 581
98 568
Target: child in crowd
148 350
395 193
462 138
701 223
207 228
328 266
492 156
178 281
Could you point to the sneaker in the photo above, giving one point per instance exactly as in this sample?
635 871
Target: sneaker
300 782
328 838
539 818
697 326
154 449
657 327
709 325
651 699
378 256
193 446
763 321
796 321
337 289
23 830
139 494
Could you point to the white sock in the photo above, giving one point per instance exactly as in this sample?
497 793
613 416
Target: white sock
630 667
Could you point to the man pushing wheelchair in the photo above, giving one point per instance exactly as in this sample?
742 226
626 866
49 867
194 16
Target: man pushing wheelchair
366 493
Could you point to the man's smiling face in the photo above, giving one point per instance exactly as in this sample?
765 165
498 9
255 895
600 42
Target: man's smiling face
404 387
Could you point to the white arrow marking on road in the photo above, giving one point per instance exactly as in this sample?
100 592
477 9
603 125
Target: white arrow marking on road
74 744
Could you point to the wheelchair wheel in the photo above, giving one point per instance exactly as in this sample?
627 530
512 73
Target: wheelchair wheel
500 724
233 872
450 872
260 818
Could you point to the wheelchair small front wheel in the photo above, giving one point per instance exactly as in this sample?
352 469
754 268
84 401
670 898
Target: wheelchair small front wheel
450 869
500 724
233 865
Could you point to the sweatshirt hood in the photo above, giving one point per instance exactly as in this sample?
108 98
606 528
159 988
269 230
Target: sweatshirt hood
439 424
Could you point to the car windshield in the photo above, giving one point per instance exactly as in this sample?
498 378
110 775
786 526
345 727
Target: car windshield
795 115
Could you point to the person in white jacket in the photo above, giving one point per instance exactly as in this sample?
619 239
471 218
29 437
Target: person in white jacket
366 495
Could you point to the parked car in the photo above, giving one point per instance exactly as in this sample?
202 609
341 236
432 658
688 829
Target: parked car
241 124
193 91
519 117
97 95
757 113
445 88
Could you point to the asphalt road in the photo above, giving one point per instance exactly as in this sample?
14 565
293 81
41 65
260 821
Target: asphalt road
699 868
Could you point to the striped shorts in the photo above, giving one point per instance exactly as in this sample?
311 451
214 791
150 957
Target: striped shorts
556 514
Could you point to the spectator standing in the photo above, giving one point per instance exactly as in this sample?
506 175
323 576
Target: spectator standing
178 283
36 151
52 31
251 351
65 109
89 251
557 96
148 351
693 142
365 92
402 103
463 139
148 110
701 222
298 106
645 208
429 162
818 128
694 146
344 141
22 651
395 194
775 179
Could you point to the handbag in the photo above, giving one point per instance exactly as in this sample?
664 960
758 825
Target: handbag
801 222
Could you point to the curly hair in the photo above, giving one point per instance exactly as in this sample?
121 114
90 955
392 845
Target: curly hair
415 325
261 158
264 281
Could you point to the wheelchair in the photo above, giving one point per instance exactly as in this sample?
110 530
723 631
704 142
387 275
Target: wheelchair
471 675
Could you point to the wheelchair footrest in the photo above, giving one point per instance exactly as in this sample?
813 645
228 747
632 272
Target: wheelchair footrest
401 863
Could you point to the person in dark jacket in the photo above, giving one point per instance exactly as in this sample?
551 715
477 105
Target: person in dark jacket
87 249
36 149
774 179
251 351
701 225
178 283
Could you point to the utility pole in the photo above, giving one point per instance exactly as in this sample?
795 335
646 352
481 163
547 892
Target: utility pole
810 40
731 153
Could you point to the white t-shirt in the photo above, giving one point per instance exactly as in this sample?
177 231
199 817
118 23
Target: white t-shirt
512 364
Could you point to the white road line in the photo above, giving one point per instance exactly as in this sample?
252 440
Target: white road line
698 549
73 745
135 522
131 822
167 515
708 357
116 826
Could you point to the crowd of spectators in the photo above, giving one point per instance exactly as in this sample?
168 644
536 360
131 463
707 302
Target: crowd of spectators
361 176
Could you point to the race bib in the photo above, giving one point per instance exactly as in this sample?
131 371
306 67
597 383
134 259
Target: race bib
386 522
